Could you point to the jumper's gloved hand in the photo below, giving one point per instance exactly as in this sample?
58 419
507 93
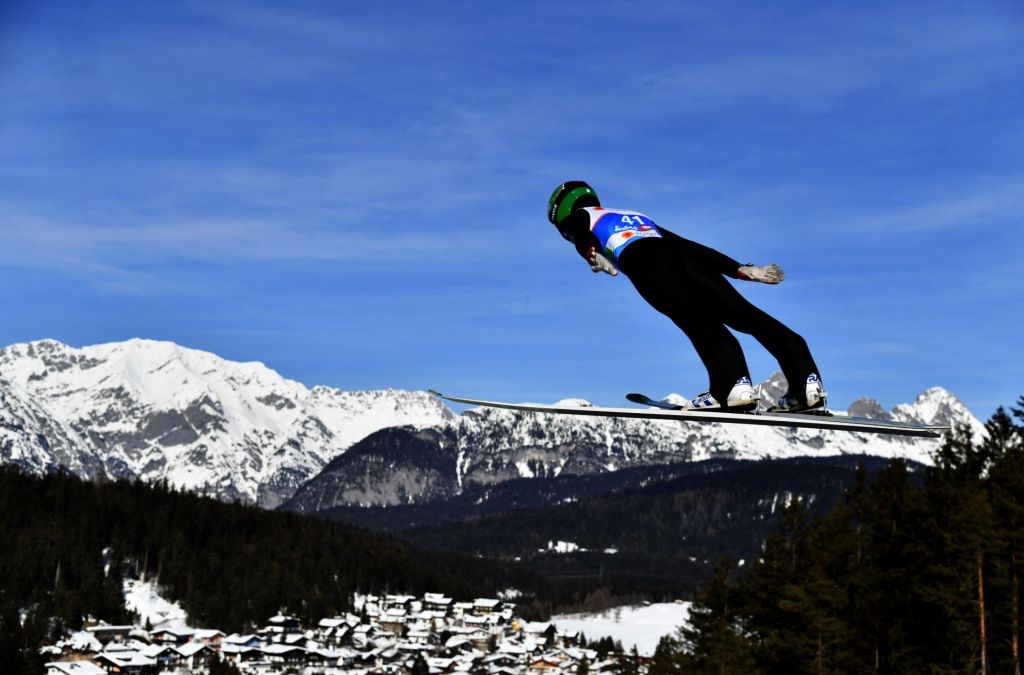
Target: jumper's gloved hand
598 263
766 274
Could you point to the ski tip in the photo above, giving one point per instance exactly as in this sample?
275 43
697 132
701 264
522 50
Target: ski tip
435 392
636 398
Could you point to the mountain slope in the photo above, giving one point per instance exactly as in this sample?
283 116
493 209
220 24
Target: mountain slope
156 410
655 529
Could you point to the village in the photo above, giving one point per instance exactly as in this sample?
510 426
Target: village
392 635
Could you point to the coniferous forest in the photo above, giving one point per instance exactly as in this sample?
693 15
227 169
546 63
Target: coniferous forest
66 545
901 576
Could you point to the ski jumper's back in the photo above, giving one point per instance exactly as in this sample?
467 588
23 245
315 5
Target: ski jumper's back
616 229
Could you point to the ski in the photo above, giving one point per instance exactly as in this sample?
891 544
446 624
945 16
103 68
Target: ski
643 399
808 420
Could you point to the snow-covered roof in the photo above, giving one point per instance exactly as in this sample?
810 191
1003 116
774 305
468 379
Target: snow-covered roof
191 649
206 633
127 659
154 651
81 641
536 627
74 668
130 646
237 649
486 602
276 649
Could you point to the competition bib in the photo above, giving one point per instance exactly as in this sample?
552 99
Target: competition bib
617 229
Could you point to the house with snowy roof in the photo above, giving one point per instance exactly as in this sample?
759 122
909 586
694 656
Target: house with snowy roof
437 602
337 658
441 664
502 659
172 636
208 636
165 655
196 655
125 663
236 640
540 628
73 668
419 635
395 621
106 633
288 655
457 644
363 634
485 606
505 670
398 602
334 634
124 647
544 665
239 654
281 624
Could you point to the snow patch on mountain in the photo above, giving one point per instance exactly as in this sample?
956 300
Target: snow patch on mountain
144 599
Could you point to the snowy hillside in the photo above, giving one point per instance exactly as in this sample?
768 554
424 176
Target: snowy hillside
160 411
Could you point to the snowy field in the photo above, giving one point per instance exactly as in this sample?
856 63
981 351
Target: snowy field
641 626
142 598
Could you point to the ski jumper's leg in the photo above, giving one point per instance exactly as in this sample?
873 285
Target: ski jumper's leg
788 347
664 281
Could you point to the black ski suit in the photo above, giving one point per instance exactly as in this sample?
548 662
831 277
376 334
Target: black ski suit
684 281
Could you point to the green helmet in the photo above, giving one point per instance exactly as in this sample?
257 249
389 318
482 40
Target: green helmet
567 197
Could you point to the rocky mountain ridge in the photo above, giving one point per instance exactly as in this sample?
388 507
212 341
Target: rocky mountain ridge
488 446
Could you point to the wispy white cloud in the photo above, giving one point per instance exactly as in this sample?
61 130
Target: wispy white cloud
896 52
994 201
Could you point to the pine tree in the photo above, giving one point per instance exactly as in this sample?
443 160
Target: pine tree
960 549
1006 480
419 666
714 640
774 596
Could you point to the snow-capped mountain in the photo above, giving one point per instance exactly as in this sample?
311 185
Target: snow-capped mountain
156 410
485 446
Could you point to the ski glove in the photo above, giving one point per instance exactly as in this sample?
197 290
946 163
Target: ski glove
598 263
766 274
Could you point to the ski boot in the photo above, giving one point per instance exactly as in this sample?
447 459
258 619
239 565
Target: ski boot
814 395
742 398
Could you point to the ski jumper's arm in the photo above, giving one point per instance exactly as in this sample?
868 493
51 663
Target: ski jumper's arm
576 227
703 255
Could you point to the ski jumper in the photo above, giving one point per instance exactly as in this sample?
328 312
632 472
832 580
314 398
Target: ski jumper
684 281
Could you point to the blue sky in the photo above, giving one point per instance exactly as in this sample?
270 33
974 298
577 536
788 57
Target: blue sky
354 193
